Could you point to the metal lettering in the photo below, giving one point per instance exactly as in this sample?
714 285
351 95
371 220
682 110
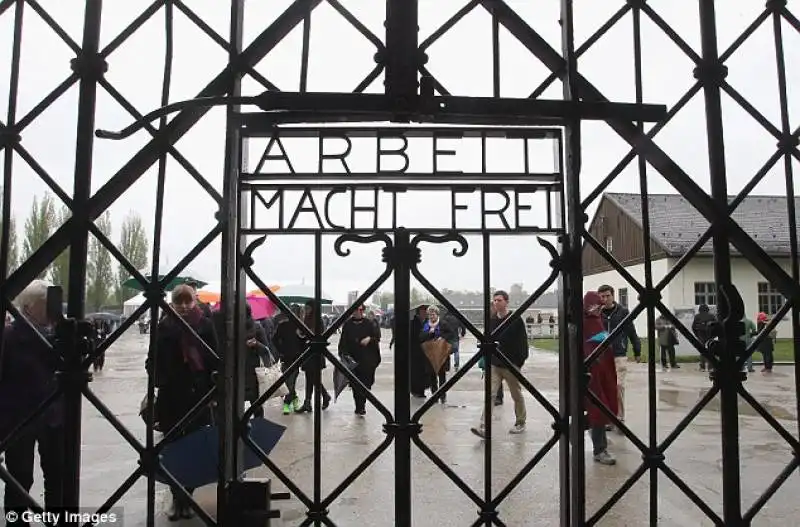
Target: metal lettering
401 152
302 208
498 212
340 156
455 206
327 211
356 208
518 206
437 152
275 140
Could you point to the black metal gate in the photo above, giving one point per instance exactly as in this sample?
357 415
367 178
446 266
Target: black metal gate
414 95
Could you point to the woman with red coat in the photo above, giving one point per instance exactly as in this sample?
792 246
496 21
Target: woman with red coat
602 378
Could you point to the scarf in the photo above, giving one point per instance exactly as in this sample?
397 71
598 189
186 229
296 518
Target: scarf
426 327
192 356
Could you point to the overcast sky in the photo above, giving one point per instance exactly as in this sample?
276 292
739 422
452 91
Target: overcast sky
340 59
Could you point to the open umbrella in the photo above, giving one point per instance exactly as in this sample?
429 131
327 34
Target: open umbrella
132 283
437 351
193 460
300 294
208 297
260 306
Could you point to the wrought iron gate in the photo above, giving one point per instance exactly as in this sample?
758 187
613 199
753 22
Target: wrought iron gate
413 94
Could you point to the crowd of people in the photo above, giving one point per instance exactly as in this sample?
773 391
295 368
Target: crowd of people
184 366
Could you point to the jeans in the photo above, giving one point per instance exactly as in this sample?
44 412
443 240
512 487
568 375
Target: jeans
19 462
748 364
599 439
456 357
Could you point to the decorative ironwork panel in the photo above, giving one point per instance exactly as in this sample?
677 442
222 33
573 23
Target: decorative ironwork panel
183 112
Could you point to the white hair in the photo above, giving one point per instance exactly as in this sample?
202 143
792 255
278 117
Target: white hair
33 294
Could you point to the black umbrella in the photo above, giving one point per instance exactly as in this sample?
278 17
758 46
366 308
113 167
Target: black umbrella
340 381
193 460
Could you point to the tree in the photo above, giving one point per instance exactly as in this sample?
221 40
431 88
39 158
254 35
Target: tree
386 298
13 248
59 273
39 226
135 247
99 272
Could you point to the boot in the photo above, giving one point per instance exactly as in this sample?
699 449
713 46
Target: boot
187 511
326 400
306 408
174 510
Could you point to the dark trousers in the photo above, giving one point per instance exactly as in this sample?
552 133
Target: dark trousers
668 351
438 380
769 359
367 376
310 387
19 462
499 396
599 439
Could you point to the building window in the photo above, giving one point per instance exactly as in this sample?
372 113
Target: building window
623 296
770 300
705 293
609 244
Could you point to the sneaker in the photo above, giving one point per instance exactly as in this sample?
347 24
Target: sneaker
287 409
604 458
296 404
478 431
517 428
361 411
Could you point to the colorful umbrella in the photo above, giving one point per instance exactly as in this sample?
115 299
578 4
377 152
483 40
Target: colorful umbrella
261 306
300 294
208 297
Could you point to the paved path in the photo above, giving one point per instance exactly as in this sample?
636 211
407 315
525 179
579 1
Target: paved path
695 456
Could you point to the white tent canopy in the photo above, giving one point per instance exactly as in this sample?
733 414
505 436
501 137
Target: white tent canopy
132 304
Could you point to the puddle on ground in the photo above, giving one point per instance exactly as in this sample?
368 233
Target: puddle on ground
687 398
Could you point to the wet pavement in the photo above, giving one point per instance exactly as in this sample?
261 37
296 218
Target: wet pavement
695 456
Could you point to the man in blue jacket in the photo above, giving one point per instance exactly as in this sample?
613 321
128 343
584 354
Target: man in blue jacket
613 314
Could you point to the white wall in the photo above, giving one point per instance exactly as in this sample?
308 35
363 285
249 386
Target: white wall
745 276
615 280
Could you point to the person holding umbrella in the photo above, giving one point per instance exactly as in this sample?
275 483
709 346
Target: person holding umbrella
360 340
183 375
434 328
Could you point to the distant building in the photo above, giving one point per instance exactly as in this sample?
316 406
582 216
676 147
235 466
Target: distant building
675 225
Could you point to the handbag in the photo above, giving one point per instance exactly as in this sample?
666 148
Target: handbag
269 375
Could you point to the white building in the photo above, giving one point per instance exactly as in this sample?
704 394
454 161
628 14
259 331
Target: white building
675 226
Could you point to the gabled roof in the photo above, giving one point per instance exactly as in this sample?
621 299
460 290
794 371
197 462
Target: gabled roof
676 225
